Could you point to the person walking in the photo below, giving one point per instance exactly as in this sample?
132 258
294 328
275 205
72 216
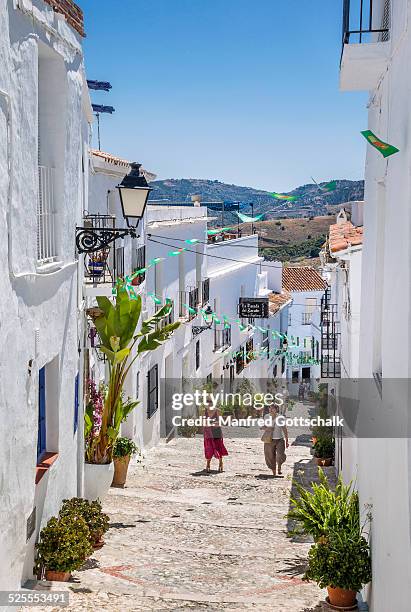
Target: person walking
213 439
275 438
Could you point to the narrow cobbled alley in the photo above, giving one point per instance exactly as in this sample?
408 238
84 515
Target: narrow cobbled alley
182 539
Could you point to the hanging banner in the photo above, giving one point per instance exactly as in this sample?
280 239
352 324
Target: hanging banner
383 147
247 219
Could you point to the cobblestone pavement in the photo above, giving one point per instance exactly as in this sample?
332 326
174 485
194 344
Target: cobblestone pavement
181 539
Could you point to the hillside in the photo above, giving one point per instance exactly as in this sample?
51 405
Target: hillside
311 200
293 240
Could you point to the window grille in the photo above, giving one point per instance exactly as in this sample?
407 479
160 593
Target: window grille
46 217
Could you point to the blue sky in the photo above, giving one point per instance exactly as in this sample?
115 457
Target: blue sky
241 91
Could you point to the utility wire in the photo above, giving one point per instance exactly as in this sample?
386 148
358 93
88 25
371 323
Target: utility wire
225 242
242 261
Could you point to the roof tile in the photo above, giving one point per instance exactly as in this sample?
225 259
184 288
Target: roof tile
302 279
343 235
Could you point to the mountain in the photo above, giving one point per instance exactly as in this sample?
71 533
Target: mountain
311 200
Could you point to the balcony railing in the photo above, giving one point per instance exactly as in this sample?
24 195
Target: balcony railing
330 339
222 338
106 265
364 21
188 298
46 213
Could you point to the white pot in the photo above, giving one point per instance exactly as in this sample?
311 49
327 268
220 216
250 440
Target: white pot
97 480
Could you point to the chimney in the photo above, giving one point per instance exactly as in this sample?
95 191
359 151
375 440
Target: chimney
196 200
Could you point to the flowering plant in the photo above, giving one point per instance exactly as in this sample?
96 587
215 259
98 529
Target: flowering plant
93 416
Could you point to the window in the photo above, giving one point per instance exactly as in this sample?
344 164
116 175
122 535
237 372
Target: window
152 391
249 350
139 262
41 433
119 267
76 401
294 376
209 379
239 361
197 354
206 291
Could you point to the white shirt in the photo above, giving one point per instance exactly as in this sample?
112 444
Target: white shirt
278 432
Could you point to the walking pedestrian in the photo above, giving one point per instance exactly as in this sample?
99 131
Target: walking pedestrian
275 438
213 439
301 391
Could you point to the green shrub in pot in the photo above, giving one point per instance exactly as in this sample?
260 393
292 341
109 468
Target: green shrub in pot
319 510
124 447
96 520
64 544
341 562
324 447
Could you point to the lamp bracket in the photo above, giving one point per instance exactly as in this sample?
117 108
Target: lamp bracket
91 240
198 329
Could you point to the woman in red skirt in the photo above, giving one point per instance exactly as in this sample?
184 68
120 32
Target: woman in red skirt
213 439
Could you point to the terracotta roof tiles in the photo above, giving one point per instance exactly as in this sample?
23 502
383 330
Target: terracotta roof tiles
302 279
277 301
343 235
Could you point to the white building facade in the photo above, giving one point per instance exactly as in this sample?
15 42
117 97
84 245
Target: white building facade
379 63
307 288
44 127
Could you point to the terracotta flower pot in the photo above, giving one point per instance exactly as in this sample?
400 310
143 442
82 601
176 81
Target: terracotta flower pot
341 598
314 440
120 471
57 576
324 462
98 541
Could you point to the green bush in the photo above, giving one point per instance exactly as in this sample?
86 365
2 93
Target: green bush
340 559
64 544
187 431
321 510
324 447
97 521
124 447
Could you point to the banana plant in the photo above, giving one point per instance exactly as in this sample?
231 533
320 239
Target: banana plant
116 325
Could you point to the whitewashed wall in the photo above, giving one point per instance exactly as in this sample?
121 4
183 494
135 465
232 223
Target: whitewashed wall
38 307
385 318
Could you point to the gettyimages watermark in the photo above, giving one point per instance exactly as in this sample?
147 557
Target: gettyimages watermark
208 400
353 408
267 421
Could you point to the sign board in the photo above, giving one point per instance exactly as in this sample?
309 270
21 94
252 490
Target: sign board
253 308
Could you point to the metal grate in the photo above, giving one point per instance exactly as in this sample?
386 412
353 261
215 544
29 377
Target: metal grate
46 222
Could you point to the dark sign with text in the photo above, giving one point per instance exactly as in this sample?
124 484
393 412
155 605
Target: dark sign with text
253 308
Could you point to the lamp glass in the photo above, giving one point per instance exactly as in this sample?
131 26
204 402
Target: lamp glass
133 200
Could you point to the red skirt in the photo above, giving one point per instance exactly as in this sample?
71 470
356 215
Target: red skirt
213 447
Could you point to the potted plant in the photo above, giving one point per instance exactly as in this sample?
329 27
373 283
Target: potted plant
116 325
97 521
319 510
97 263
124 449
64 546
340 561
324 450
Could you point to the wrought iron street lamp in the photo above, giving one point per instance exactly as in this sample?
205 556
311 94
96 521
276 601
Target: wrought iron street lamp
134 192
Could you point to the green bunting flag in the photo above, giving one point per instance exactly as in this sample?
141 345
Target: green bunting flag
155 299
281 196
215 318
190 310
192 240
331 186
247 219
383 147
155 261
174 253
